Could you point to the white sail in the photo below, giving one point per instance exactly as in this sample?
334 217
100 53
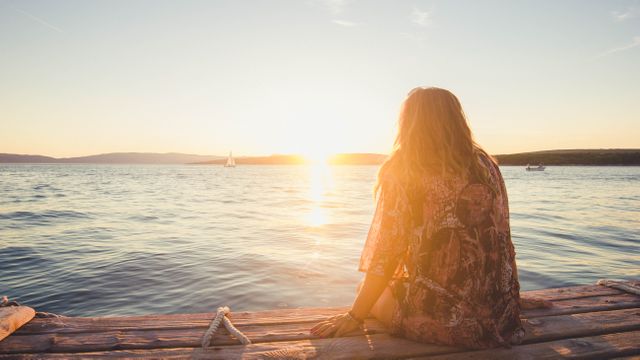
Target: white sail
230 161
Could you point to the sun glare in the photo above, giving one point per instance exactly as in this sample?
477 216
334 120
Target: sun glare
317 217
316 157
320 182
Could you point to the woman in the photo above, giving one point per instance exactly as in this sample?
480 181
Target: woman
439 261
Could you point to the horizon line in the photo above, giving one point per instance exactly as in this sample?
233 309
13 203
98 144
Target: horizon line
288 154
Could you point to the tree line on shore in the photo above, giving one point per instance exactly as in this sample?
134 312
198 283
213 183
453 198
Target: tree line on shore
592 157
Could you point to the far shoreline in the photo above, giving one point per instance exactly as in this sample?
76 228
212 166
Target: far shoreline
572 157
305 164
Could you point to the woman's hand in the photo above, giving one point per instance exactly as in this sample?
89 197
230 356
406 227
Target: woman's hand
335 326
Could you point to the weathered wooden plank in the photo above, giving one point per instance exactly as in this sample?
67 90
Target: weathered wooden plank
592 347
145 339
13 317
584 324
184 330
571 292
273 317
588 304
174 321
386 347
174 353
357 347
537 329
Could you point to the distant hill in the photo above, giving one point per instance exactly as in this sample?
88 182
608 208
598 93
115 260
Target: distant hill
573 157
339 159
140 158
18 158
111 158
549 157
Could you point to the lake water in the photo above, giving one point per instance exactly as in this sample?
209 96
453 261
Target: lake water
134 239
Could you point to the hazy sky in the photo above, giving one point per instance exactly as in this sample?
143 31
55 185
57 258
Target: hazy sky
261 77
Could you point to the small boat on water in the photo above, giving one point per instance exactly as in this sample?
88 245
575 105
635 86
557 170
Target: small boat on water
540 167
230 161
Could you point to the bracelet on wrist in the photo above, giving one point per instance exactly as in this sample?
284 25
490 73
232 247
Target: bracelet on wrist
355 318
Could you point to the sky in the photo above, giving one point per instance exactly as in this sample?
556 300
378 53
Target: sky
312 76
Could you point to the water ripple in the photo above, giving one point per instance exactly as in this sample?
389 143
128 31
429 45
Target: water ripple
120 239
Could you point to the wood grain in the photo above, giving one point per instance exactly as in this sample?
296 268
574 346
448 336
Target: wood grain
583 324
601 298
588 304
571 292
175 321
383 346
360 347
537 329
592 347
165 338
604 315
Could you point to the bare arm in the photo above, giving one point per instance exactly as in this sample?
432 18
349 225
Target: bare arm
385 248
369 293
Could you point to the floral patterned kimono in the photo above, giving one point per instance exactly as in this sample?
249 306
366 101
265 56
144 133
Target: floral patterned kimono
446 244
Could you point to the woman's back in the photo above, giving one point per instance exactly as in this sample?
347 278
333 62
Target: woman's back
456 282
439 256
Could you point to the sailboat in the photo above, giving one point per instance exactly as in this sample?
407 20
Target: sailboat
230 161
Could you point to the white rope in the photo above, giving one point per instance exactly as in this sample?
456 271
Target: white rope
215 324
620 286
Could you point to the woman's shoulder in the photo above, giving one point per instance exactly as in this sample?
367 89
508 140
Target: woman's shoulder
391 184
489 163
485 159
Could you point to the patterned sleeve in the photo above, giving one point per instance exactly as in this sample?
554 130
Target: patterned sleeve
388 237
501 191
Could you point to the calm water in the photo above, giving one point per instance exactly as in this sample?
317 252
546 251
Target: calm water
131 239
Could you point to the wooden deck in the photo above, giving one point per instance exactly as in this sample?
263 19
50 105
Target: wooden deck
585 322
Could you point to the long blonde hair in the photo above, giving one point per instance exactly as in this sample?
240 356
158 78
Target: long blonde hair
433 137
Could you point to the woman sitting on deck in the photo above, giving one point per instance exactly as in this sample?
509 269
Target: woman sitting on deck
439 261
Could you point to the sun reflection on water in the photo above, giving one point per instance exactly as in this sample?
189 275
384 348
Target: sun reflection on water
317 217
316 214
320 183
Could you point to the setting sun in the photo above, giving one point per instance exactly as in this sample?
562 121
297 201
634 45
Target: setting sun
316 157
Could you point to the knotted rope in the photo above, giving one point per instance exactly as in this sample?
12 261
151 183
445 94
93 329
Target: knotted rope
215 323
627 287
